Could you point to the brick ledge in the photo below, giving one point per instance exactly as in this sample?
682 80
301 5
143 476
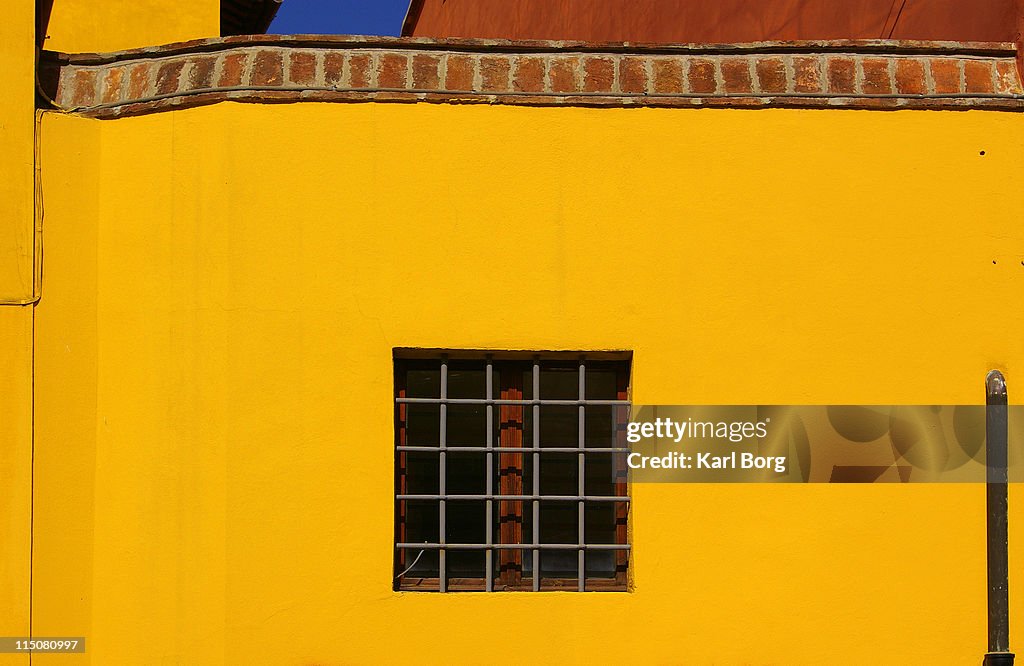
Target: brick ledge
876 74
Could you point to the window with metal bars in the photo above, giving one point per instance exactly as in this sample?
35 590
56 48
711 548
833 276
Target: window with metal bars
510 471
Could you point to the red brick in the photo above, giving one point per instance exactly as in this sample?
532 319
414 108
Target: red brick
359 70
978 76
842 76
334 67
806 74
392 70
563 73
138 81
494 73
633 75
425 71
910 76
112 85
876 76
233 69
302 68
771 75
668 75
946 75
459 74
268 68
529 74
702 76
1007 79
598 74
736 74
85 88
168 76
200 75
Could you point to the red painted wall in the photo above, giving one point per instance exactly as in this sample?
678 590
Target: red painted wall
709 21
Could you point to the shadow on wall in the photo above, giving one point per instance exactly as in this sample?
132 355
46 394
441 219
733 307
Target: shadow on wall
43 9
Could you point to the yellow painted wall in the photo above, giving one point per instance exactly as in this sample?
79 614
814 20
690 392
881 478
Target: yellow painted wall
17 247
79 26
17 106
224 287
15 473
66 417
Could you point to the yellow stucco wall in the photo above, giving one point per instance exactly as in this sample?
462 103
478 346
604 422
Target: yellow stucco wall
79 26
15 473
17 249
224 287
17 106
66 410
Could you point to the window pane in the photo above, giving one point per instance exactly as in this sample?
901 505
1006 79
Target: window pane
600 383
558 564
421 522
527 466
423 424
599 563
558 522
425 567
466 474
466 521
559 425
559 383
599 426
598 475
467 425
527 522
527 436
466 564
559 474
467 381
423 383
558 525
422 473
527 379
599 527
599 522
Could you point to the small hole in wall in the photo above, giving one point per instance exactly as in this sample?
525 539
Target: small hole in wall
982 153
993 261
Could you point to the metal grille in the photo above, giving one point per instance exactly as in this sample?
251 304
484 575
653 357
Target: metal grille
468 402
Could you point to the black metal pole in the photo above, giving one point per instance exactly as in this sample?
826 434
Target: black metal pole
995 500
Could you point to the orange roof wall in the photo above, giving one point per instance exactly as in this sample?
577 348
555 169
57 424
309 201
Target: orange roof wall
710 21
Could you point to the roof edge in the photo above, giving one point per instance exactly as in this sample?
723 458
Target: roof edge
879 46
412 17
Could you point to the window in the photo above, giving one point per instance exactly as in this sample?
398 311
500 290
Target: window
510 471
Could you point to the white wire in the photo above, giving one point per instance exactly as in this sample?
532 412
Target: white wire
411 565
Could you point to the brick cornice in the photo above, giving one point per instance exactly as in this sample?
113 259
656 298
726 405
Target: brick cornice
876 74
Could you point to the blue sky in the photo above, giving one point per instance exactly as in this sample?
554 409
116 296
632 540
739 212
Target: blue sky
340 17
